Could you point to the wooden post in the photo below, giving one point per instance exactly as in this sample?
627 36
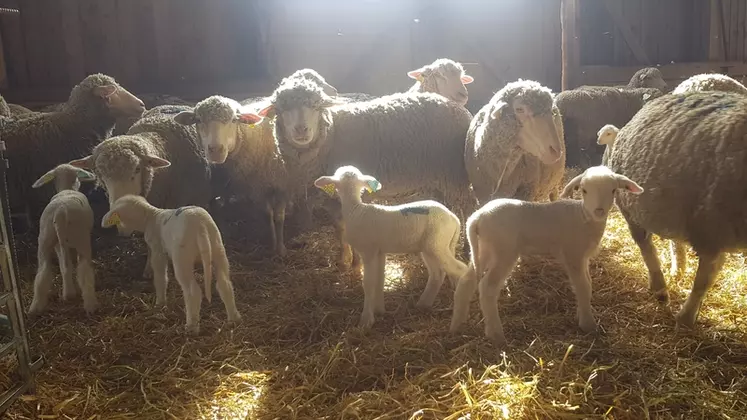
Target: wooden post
570 46
716 44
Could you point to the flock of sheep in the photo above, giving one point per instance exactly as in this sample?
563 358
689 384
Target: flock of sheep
674 164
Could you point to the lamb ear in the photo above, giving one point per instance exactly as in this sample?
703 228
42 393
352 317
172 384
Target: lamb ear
267 112
629 185
85 163
372 184
329 89
155 162
327 184
110 219
85 176
49 176
572 186
467 79
416 74
185 118
104 91
498 110
248 118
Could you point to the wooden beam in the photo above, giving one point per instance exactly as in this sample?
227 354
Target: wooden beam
3 67
635 46
717 41
570 45
607 75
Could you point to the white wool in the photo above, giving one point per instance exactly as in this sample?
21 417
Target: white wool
569 230
425 227
183 236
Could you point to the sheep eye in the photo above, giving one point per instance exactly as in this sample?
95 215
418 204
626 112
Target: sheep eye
583 190
519 110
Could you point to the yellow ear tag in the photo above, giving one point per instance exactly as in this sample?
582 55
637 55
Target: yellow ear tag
329 189
114 219
419 78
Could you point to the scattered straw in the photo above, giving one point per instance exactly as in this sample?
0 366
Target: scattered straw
298 355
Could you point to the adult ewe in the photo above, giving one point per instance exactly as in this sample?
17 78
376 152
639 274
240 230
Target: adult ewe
710 81
689 152
158 158
45 140
413 143
443 76
648 77
586 110
515 146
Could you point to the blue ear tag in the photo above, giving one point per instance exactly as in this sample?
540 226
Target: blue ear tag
373 186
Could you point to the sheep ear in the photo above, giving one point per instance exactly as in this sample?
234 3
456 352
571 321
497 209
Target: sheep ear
329 90
629 185
85 163
572 186
155 162
104 91
248 118
372 184
416 74
267 112
185 118
467 79
498 111
85 176
110 219
646 97
49 176
326 184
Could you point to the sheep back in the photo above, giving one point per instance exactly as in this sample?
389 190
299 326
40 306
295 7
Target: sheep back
689 153
710 81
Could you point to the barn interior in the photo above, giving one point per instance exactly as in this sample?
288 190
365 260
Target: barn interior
297 354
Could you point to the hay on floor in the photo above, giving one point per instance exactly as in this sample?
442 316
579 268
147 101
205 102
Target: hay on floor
298 355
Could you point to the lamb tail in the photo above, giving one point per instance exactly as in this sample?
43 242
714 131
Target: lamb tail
206 254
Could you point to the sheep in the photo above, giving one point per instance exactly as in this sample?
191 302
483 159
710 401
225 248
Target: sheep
65 227
443 76
158 159
414 142
183 237
585 111
570 230
244 143
606 137
46 140
515 145
20 111
424 227
710 81
4 108
690 152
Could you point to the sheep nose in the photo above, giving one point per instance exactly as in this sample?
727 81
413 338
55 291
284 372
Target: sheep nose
216 148
599 212
302 129
141 103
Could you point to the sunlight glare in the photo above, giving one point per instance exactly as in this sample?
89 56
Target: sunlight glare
237 397
393 275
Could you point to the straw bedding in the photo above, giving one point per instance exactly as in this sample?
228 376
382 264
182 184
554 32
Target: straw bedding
298 355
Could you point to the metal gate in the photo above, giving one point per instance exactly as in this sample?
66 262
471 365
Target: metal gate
10 298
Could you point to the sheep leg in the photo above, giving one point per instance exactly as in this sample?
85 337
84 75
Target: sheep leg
679 259
279 224
224 286
160 276
345 248
709 265
490 288
42 283
465 289
370 274
436 276
185 275
85 277
148 271
68 285
655 277
578 274
379 306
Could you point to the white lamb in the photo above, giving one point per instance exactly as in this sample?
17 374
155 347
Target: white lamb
185 235
425 227
65 226
606 136
569 230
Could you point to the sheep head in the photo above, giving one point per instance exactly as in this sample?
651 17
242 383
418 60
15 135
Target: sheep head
444 77
598 185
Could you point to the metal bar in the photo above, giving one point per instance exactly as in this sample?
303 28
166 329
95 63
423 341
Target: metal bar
5 298
9 396
8 347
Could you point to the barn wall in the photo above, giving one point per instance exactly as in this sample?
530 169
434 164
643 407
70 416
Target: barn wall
172 46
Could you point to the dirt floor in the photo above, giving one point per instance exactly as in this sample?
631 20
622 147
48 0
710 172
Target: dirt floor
298 355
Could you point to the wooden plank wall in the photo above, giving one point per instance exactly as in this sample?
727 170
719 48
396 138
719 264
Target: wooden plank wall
670 31
734 14
359 45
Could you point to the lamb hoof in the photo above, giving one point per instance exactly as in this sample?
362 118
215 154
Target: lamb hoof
498 341
234 319
91 307
588 326
34 311
685 319
69 295
455 328
423 305
192 330
366 322
281 251
662 295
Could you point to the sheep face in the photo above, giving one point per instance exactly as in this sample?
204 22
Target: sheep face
348 181
650 77
598 185
444 77
119 101
537 133
607 134
217 126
